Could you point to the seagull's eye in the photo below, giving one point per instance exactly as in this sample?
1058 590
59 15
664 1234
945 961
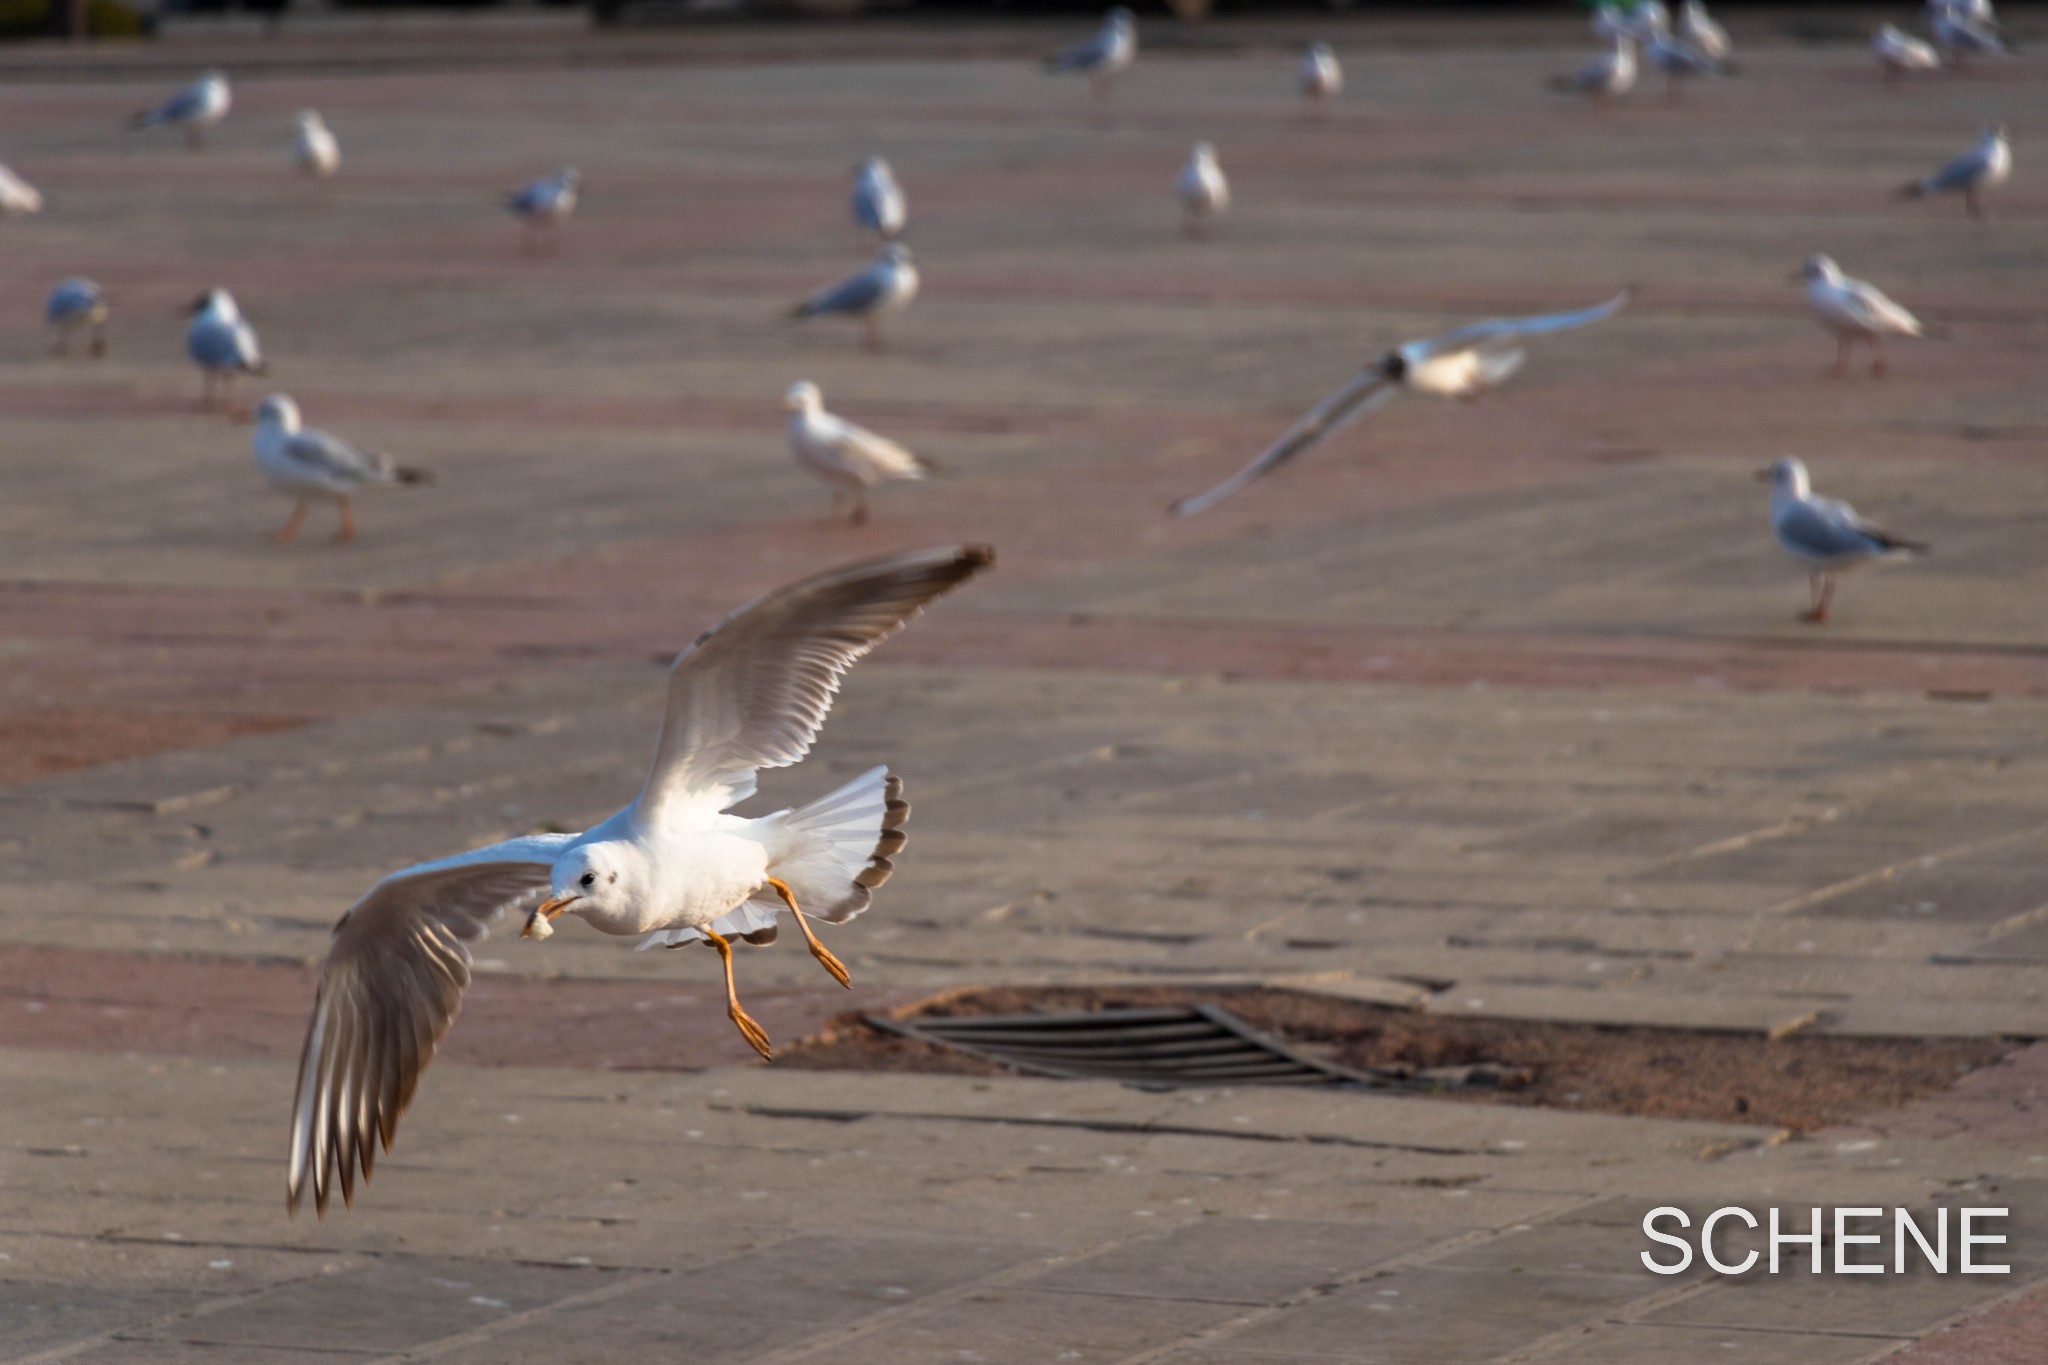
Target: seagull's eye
589 879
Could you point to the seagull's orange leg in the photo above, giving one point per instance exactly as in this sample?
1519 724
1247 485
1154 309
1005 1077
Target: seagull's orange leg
1821 589
873 326
1877 361
818 950
755 1035
348 521
292 523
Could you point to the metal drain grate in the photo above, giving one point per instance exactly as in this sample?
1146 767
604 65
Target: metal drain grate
1153 1049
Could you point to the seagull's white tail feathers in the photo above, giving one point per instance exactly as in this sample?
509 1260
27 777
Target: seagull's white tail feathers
832 854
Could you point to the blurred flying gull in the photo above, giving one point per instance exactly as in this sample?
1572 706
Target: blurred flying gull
1461 363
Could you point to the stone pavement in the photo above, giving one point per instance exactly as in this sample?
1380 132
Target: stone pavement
1495 708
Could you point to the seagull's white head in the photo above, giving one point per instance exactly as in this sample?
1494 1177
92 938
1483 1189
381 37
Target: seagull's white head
1996 132
803 396
569 176
1820 267
875 166
1120 18
1787 475
310 119
214 75
606 879
219 302
278 412
1205 153
1322 52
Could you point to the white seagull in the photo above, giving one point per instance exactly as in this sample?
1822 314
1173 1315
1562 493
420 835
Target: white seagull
852 459
1680 61
1699 28
17 196
314 150
541 207
311 464
1899 52
1204 193
886 285
1610 74
1462 363
73 304
1104 56
1322 79
1985 166
878 200
1963 28
196 108
1855 310
221 343
671 868
1825 534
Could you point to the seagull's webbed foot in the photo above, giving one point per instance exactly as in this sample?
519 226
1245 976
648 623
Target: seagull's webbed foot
756 1036
825 956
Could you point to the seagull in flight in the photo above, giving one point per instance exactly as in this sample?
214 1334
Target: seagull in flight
1825 534
671 868
310 464
196 108
1462 363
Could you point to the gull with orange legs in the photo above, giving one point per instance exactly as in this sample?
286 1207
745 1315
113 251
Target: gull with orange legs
310 465
1827 535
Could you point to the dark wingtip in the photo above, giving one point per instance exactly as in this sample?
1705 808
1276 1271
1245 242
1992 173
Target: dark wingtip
977 557
412 476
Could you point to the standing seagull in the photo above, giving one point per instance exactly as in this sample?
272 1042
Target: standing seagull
1899 52
1698 27
541 207
751 693
312 464
850 458
197 107
1104 56
878 200
1985 166
1853 309
1824 534
1322 80
73 304
1961 29
221 343
314 150
1204 193
17 196
886 285
1680 61
1462 363
1610 74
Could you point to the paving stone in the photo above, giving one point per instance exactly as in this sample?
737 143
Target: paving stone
1231 1260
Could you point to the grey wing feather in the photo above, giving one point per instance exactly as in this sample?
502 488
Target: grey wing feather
1826 529
1364 393
1082 55
182 105
390 988
1477 332
848 296
1958 174
752 692
334 458
221 347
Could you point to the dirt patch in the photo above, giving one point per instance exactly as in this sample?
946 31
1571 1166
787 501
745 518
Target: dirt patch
1801 1082
54 739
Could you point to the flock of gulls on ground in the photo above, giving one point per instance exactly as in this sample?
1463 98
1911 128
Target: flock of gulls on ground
675 867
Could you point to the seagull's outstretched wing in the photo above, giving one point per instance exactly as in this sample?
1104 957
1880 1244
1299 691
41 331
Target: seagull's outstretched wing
391 986
752 691
1364 393
1477 334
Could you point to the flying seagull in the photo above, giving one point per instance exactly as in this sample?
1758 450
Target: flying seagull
196 108
314 150
1104 56
1855 310
311 464
1985 166
73 304
670 868
878 200
541 207
885 285
1204 193
1462 363
852 459
1825 534
221 343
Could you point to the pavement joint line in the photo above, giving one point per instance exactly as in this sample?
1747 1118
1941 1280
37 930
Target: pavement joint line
512 1322
1103 1126
1883 874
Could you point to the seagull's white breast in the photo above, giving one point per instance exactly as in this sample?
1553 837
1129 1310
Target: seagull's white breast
695 877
